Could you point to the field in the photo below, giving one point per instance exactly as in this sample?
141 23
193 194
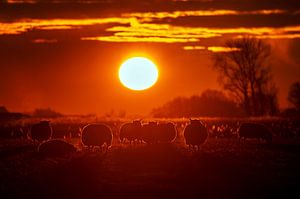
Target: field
222 167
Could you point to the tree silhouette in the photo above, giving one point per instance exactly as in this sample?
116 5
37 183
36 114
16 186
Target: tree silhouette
3 109
294 95
244 71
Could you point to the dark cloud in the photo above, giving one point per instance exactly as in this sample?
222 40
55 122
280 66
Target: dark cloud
232 21
92 9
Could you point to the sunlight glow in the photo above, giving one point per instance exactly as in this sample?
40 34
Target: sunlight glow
138 73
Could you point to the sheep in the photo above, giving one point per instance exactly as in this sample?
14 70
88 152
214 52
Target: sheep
166 132
158 133
96 135
41 131
75 130
195 133
55 148
60 130
255 130
131 131
149 132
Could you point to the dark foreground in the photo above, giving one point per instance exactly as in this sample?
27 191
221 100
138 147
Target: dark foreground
222 168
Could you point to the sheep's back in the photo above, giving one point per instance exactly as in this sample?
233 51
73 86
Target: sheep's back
96 135
195 134
41 131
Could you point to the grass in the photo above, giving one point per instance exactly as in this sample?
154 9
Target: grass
223 167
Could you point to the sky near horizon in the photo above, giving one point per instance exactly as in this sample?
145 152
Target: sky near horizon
66 54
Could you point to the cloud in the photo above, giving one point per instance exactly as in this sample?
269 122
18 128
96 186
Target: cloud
130 29
150 16
144 27
21 26
39 41
21 1
215 49
141 39
194 47
149 32
218 49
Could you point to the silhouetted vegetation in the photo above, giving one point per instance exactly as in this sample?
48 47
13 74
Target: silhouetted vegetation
211 103
3 109
294 99
290 112
6 115
46 113
245 72
294 95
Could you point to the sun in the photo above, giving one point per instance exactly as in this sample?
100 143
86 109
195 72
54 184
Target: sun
138 73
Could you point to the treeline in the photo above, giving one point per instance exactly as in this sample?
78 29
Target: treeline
211 103
6 115
38 113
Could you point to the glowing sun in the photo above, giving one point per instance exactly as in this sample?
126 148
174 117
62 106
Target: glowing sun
138 73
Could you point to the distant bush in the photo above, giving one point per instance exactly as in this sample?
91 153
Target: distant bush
3 109
294 95
211 103
290 112
46 113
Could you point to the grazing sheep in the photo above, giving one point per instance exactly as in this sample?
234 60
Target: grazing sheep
75 130
131 131
255 130
96 135
60 130
195 133
166 133
55 148
41 131
149 132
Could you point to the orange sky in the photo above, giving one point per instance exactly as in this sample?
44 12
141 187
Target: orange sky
66 55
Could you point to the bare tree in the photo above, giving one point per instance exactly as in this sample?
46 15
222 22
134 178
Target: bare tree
294 95
245 72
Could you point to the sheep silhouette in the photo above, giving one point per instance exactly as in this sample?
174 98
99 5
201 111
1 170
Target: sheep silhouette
166 132
195 133
149 131
154 132
55 148
255 130
60 130
41 131
96 135
131 131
